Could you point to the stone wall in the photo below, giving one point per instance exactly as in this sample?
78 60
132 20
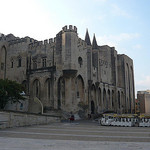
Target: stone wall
18 119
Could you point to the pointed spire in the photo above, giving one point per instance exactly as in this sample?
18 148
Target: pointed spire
87 38
94 43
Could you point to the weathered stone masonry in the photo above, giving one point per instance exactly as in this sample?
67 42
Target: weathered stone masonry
67 70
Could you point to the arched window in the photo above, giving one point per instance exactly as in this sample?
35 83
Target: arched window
80 61
19 61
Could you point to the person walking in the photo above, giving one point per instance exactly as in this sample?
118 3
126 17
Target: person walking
71 118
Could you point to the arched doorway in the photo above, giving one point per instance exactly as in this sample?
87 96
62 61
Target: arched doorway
92 107
104 100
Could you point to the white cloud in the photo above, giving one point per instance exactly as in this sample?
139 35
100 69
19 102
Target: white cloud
119 12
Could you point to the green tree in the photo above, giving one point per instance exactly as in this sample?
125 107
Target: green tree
10 91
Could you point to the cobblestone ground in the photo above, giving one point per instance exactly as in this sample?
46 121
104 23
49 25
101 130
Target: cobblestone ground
82 135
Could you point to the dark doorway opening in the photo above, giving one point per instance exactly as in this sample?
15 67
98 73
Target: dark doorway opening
92 107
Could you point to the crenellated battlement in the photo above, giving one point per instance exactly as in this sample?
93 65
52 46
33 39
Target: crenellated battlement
69 28
36 44
20 41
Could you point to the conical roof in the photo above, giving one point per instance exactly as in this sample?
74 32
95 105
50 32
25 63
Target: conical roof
94 43
87 38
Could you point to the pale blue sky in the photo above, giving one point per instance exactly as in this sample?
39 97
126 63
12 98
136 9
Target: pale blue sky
124 24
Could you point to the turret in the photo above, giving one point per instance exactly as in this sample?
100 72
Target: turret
87 38
95 52
69 47
70 29
94 43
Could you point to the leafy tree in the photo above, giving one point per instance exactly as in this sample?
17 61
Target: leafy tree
10 91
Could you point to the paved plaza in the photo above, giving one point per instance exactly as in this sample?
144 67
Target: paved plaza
80 135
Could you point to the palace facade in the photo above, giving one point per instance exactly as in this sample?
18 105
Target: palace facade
66 71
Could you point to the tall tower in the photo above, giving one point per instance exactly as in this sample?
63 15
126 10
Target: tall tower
69 47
